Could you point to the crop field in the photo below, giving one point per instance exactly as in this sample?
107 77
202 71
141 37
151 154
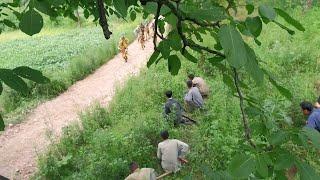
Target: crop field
65 55
109 139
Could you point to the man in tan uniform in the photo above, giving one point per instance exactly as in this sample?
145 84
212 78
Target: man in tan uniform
171 152
200 84
141 174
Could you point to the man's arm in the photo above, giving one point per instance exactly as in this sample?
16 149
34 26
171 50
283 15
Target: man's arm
159 154
188 97
183 149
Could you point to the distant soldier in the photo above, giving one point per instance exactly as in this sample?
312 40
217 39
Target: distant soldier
147 29
123 47
141 38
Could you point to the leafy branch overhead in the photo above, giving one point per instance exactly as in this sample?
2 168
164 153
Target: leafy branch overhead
190 23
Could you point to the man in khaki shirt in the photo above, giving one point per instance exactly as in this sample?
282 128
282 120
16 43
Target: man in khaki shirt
171 152
200 84
141 174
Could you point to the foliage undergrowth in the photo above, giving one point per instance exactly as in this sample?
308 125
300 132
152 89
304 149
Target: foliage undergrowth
108 140
64 55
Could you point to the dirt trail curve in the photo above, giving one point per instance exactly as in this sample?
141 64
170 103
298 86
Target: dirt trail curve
20 144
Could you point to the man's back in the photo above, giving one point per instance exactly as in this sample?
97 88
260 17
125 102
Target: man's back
314 120
171 105
200 83
194 97
142 174
169 151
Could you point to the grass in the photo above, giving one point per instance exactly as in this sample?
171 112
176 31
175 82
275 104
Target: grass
109 139
64 55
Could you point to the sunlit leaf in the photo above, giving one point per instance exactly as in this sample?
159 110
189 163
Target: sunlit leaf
242 166
267 12
233 45
289 19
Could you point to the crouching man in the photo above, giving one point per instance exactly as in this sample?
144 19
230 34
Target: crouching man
172 153
141 174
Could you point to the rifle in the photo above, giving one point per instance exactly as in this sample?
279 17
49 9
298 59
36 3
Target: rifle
163 175
194 121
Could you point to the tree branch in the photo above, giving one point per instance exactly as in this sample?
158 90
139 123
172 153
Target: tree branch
244 117
156 19
103 20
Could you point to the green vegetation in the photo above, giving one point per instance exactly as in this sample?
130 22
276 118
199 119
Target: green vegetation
63 55
129 130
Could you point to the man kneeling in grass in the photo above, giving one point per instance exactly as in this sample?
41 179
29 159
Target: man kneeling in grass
173 106
193 98
172 153
313 115
141 174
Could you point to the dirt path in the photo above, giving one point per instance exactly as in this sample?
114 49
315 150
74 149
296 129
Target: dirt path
20 145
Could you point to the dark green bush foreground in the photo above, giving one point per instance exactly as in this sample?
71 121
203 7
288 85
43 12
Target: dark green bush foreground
108 140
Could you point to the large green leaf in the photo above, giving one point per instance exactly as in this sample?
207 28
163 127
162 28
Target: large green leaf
175 40
31 74
289 19
262 163
31 22
254 25
13 81
120 6
2 126
242 166
278 138
267 12
285 92
313 135
211 14
284 161
233 45
307 172
164 48
153 58
252 66
174 64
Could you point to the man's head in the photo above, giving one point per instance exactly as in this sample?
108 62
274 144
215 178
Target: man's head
191 76
164 134
169 94
306 107
133 166
189 84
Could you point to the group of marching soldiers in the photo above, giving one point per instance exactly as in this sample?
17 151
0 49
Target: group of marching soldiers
172 152
143 33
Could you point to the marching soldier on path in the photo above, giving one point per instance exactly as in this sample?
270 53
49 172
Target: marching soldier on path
142 38
123 47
